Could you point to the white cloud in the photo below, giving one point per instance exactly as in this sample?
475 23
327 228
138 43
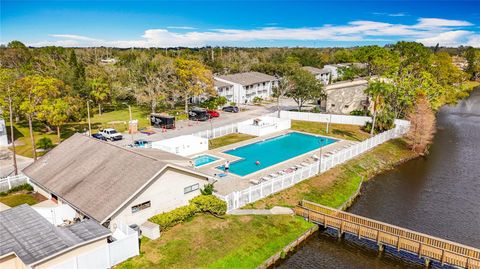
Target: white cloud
427 30
398 14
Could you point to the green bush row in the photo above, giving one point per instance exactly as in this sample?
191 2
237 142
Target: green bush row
203 203
22 187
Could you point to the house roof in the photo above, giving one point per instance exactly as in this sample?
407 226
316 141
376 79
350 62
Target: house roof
218 83
97 177
32 238
315 70
248 78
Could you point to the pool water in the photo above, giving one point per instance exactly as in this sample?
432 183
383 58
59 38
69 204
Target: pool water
273 151
203 160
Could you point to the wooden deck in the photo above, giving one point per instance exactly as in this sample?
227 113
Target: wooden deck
425 246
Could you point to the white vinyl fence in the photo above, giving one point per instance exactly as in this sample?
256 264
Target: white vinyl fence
7 183
218 132
321 117
241 198
106 256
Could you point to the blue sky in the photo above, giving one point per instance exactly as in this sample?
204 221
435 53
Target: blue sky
239 23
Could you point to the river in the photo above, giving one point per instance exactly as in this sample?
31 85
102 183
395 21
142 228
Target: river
437 195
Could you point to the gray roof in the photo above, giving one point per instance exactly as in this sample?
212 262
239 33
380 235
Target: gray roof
219 84
248 78
315 70
32 238
94 176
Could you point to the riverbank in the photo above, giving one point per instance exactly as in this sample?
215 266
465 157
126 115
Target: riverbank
337 186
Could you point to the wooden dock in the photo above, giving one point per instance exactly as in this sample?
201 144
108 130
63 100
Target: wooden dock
425 246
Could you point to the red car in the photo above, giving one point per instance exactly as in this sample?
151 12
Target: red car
213 113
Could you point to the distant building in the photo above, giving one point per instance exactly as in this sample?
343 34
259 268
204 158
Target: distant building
3 134
28 240
344 97
336 69
244 87
321 74
114 185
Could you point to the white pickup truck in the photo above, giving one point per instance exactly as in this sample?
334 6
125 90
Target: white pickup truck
111 134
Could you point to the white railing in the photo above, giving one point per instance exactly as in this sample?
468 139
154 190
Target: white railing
7 183
321 117
254 193
105 256
218 132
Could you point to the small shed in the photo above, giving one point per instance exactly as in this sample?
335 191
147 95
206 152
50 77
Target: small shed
184 145
263 126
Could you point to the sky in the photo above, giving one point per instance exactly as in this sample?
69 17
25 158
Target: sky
131 23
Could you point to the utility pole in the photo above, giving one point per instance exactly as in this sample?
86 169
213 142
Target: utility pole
88 115
12 136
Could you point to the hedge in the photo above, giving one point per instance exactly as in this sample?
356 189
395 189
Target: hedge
202 203
210 204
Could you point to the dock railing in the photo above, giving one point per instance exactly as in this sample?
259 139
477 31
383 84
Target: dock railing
426 246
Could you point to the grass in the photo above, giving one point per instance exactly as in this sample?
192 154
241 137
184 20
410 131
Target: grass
228 139
14 199
209 242
22 133
342 131
335 187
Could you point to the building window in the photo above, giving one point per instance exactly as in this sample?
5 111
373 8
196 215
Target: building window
191 188
141 206
346 106
333 105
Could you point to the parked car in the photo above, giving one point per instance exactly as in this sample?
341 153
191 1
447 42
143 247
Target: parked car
213 113
198 114
162 121
111 134
233 109
99 136
140 144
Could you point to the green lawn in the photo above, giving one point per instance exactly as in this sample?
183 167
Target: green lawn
209 242
342 131
228 139
335 187
14 199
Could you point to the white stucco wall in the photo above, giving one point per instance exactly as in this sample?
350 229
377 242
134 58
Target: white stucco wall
3 134
184 145
165 193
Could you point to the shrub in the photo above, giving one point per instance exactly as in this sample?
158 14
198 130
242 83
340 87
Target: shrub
22 187
207 189
171 218
361 112
209 203
383 122
45 143
257 100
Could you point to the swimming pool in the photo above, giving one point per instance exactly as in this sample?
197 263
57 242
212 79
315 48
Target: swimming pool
273 151
203 160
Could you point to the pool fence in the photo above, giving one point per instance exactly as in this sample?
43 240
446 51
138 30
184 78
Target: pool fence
254 193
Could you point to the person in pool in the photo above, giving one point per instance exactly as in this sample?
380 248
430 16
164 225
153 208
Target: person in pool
226 166
257 162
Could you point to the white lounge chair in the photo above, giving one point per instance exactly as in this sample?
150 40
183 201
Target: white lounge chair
255 181
273 175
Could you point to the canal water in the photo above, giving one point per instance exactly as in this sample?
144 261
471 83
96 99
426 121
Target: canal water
437 195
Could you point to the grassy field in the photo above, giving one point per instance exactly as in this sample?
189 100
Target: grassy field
342 131
227 140
209 242
334 187
22 133
14 199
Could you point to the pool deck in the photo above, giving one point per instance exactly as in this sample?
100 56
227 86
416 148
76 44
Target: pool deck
232 182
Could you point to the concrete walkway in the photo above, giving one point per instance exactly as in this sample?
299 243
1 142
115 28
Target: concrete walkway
276 210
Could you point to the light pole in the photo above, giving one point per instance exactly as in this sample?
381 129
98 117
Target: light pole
322 143
88 116
130 122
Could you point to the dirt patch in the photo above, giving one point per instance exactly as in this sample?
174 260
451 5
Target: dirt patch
245 219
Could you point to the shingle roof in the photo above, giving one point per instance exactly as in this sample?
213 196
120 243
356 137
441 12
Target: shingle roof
32 238
218 83
315 70
94 176
248 78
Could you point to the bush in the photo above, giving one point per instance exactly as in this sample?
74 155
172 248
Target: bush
26 187
383 122
361 112
210 204
208 189
257 100
171 218
45 143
